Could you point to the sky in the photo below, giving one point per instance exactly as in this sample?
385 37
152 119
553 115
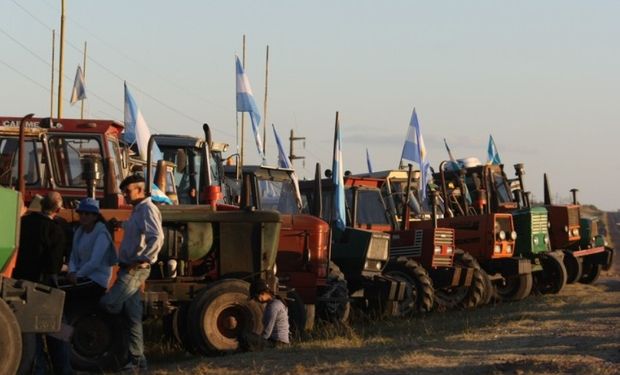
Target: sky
542 77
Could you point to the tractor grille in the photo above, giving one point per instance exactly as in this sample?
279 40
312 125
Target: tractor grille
413 250
539 222
379 246
444 237
442 261
573 216
503 223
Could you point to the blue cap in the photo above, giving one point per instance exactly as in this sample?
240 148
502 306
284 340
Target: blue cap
88 205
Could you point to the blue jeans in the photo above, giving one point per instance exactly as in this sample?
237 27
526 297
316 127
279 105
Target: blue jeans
125 296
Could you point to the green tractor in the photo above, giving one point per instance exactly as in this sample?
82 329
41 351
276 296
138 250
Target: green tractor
26 308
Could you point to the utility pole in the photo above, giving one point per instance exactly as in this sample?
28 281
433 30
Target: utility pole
291 153
61 57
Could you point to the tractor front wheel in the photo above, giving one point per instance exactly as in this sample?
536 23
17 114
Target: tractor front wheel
10 340
552 278
220 314
591 272
333 305
296 314
419 294
514 288
574 267
463 296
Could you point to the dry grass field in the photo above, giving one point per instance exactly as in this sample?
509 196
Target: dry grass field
574 332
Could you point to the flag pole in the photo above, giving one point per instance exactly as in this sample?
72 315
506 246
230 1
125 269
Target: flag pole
265 103
52 81
84 76
61 57
242 113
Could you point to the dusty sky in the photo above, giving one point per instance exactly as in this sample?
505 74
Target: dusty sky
542 77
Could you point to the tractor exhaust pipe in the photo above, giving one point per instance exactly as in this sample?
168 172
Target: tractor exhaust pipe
574 193
147 174
212 191
520 171
518 196
317 208
434 208
526 198
547 191
405 217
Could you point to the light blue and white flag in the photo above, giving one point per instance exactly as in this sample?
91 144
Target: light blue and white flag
285 162
246 103
414 150
79 87
338 181
492 153
136 129
158 196
368 161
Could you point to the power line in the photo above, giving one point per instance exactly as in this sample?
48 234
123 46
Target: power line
25 76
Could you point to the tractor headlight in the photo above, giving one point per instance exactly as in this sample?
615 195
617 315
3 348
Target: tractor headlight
566 228
546 240
548 225
365 264
575 232
437 249
509 249
497 249
378 266
536 241
275 269
502 235
449 249
513 235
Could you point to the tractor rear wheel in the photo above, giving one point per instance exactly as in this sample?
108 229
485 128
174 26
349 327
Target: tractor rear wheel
10 340
337 307
221 313
574 267
463 296
552 278
419 294
296 314
591 272
514 288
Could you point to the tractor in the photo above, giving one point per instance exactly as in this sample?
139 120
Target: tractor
456 276
585 252
488 236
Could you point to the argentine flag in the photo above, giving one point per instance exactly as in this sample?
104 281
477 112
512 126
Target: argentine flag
338 180
285 162
79 88
492 153
414 150
246 103
136 129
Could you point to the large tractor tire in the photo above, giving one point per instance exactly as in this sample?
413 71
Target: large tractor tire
552 278
489 288
419 295
339 308
296 315
591 272
514 288
221 313
10 341
99 341
463 296
574 267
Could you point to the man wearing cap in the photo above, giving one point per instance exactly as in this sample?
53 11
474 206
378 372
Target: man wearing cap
142 239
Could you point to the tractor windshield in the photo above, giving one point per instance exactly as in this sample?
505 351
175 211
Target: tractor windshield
278 196
33 164
68 152
503 192
370 208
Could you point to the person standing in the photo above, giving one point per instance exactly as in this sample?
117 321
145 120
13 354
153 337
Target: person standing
142 240
39 259
92 255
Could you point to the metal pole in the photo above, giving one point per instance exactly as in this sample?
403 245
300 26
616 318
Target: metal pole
265 103
21 182
52 82
242 113
84 74
61 57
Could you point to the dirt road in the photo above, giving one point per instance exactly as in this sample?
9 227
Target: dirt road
574 332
